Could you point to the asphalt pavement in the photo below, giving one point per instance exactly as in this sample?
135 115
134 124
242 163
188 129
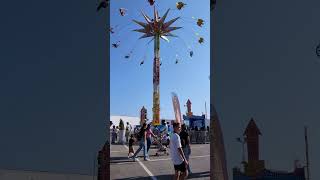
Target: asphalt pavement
159 167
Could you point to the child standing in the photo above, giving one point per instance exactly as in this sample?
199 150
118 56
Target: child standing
131 141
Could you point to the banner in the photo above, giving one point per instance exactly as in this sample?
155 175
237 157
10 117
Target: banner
176 107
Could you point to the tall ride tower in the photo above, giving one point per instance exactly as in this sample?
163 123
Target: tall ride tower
156 28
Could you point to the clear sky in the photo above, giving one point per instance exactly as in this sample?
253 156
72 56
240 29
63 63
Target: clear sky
131 85
266 68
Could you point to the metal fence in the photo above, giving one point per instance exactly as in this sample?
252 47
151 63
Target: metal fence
199 137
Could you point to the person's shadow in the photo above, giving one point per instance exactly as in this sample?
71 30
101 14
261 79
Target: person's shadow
114 160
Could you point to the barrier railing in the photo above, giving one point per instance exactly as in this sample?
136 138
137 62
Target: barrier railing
199 137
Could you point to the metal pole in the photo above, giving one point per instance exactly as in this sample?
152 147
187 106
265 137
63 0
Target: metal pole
205 106
94 167
307 151
156 80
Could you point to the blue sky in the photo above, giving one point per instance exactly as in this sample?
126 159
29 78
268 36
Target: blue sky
131 84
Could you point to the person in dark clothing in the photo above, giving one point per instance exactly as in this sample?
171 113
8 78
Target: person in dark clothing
131 150
114 135
185 143
142 137
168 126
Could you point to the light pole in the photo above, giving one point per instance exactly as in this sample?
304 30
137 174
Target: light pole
243 142
157 29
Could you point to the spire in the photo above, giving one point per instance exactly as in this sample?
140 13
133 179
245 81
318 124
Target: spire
189 112
143 109
252 129
143 115
255 165
188 102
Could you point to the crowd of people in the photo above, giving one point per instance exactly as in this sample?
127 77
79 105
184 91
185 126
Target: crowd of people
177 140
116 136
179 145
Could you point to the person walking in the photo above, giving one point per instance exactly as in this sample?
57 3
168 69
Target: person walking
142 137
177 156
128 131
149 134
131 150
185 143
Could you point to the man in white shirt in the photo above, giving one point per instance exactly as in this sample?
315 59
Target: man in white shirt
177 156
128 131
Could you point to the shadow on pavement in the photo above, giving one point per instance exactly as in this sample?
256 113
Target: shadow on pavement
199 174
170 176
119 159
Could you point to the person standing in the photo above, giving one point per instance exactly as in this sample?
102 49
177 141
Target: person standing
167 140
114 135
142 137
185 143
177 156
168 127
128 131
117 134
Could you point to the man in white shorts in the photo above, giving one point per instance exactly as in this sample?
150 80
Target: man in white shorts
177 156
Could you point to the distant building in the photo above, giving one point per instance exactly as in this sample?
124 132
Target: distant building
193 121
254 168
143 115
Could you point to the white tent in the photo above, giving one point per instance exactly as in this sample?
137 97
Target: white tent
132 120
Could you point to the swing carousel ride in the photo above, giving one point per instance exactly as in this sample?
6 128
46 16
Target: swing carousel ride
155 29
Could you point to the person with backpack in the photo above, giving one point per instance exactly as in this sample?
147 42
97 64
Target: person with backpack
142 138
185 143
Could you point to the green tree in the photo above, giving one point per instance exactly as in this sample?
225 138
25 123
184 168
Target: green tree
121 125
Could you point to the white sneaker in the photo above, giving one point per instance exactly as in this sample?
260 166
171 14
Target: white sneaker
147 159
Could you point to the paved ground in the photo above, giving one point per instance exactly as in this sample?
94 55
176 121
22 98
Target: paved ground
160 167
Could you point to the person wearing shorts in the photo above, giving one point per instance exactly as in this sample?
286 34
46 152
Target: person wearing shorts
185 142
178 158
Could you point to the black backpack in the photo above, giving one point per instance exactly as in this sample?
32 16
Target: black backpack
140 134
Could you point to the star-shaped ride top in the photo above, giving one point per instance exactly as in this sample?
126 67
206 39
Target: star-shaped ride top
157 26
